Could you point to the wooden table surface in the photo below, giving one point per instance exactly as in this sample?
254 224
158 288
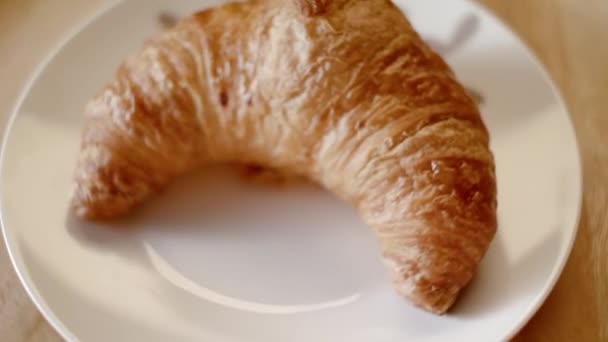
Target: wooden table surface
569 36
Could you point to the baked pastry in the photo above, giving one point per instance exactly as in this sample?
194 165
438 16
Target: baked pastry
343 92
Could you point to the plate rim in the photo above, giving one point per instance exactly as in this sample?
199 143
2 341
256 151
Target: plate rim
534 305
566 253
22 273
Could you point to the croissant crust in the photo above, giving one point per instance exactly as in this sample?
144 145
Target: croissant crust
343 92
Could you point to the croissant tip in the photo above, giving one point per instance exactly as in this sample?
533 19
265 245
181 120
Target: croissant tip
86 212
438 302
98 208
434 294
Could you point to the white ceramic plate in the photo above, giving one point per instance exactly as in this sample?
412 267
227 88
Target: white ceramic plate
216 259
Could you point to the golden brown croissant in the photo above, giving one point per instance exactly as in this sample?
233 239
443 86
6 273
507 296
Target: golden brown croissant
343 92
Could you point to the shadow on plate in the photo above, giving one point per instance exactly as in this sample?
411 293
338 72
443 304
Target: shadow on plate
496 270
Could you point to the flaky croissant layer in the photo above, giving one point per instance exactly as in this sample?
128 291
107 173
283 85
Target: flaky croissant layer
343 92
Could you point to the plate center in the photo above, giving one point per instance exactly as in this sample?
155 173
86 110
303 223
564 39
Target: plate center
218 236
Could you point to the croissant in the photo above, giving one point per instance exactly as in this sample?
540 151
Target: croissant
342 92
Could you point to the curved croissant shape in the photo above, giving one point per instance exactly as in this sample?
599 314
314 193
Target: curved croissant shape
343 92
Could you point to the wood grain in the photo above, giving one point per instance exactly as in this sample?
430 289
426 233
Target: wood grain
569 36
